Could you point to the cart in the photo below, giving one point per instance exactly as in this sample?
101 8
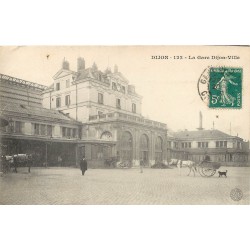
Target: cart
208 168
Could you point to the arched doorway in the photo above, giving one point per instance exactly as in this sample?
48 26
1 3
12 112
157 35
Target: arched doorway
144 148
126 147
158 149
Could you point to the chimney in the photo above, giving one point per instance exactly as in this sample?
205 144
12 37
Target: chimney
200 121
94 67
80 64
65 64
116 69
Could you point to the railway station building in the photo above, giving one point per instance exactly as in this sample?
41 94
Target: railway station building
97 114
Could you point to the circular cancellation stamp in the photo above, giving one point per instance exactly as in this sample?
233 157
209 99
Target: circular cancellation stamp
221 87
236 194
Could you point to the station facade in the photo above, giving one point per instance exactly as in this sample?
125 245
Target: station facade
98 115
110 110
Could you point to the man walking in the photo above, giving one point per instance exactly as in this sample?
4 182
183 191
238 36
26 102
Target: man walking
83 165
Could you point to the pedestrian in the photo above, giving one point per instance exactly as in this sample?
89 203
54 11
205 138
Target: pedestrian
141 165
179 165
83 165
59 160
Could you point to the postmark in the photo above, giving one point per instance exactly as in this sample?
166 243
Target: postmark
236 194
221 87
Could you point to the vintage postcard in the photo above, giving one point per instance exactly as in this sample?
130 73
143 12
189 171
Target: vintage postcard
125 125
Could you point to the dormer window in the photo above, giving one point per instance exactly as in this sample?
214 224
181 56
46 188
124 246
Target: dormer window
123 89
57 86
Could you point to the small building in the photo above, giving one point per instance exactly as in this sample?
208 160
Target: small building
219 146
44 133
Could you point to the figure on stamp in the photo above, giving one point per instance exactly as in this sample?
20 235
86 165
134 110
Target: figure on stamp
222 85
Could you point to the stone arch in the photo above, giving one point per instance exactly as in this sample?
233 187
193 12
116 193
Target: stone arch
106 135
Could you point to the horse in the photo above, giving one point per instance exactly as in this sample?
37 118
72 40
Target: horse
173 162
19 160
190 164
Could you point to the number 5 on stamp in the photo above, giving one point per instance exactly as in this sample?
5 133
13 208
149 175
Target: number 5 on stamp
225 87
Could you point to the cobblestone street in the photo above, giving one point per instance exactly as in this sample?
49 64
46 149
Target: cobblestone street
121 186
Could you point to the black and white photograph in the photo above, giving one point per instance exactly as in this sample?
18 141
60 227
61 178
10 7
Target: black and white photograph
125 125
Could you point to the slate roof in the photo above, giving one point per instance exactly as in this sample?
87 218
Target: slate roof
199 134
86 73
32 112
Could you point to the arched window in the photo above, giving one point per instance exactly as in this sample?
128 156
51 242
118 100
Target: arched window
106 135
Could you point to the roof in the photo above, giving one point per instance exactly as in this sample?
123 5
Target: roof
86 73
201 134
22 83
34 112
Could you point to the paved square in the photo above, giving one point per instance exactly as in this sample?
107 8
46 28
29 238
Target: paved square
121 186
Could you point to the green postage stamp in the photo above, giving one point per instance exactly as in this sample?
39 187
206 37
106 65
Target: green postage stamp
225 87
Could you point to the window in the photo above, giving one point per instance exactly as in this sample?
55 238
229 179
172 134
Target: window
68 132
186 144
202 144
36 129
114 86
123 89
49 130
63 132
118 103
67 83
58 102
18 127
133 107
100 98
43 129
58 86
74 132
221 144
67 100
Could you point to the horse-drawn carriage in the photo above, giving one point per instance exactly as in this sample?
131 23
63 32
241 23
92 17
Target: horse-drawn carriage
15 161
205 168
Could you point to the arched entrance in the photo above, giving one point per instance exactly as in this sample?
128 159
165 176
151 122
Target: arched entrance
126 147
144 148
158 149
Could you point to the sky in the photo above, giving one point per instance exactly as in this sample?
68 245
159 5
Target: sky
168 86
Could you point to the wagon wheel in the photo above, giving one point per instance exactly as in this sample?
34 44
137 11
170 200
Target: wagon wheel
200 171
208 172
